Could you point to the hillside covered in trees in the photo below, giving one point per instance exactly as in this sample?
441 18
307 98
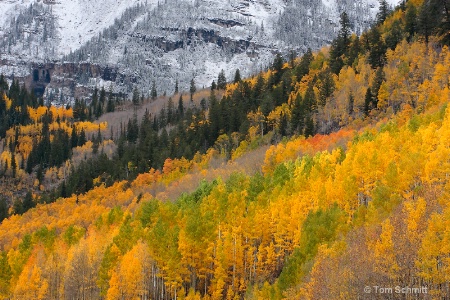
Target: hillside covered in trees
349 187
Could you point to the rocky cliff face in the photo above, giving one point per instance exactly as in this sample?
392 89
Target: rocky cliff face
160 42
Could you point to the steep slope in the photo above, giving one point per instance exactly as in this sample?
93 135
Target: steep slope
151 41
76 21
326 215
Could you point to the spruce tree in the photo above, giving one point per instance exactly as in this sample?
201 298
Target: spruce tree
153 92
410 21
221 81
237 76
135 98
192 88
74 137
82 138
368 99
377 52
3 209
13 165
351 103
340 46
383 12
180 106
102 96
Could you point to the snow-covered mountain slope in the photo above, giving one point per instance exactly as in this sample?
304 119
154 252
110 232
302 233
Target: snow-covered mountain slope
142 42
77 21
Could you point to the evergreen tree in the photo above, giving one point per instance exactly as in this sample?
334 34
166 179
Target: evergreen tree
340 45
180 106
82 138
327 86
379 78
395 35
410 21
303 67
153 92
439 10
135 98
309 125
283 125
368 99
213 85
133 129
170 111
354 50
74 137
13 164
377 52
110 106
221 81
383 11
192 88
102 96
94 101
237 76
176 86
430 17
298 115
63 192
28 202
351 103
3 209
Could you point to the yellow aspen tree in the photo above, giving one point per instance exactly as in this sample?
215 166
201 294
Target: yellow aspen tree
384 252
30 284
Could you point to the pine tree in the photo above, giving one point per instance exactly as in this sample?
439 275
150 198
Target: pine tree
153 92
351 102
176 86
28 202
221 81
170 110
74 137
303 67
428 19
3 209
213 85
192 88
110 106
180 106
367 101
395 35
237 76
13 164
383 11
354 50
410 21
379 78
102 96
377 52
327 86
340 46
82 138
298 115
135 98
